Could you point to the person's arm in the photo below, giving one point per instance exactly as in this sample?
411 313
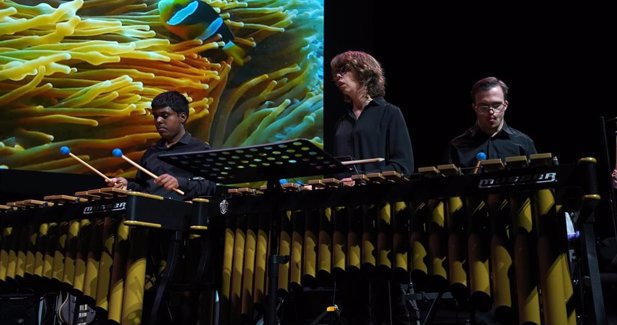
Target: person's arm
400 152
139 182
137 187
196 186
336 153
531 147
451 156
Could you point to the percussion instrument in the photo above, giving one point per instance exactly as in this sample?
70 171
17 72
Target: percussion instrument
92 245
496 239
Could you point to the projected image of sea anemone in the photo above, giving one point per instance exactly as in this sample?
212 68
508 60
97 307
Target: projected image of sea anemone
83 73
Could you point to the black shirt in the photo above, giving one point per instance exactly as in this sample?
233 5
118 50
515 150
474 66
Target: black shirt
463 149
192 187
379 132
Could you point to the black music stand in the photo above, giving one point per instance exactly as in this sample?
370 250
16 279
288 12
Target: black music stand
267 162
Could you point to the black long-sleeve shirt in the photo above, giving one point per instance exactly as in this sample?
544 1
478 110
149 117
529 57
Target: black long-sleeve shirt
379 132
190 185
463 149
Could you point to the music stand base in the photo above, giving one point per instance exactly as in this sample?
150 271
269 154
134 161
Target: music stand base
273 276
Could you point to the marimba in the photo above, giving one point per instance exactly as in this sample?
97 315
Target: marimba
495 239
93 245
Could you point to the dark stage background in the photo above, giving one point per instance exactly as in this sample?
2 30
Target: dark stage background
559 62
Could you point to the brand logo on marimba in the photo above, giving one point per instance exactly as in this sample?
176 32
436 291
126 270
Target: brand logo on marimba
518 180
223 206
117 206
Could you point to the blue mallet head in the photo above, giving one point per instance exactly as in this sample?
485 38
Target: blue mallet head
117 152
481 156
65 150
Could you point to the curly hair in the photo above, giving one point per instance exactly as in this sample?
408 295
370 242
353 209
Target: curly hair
366 68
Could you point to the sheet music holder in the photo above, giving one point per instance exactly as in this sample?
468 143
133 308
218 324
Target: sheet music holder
270 162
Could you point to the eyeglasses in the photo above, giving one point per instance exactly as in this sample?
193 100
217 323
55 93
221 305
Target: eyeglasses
496 107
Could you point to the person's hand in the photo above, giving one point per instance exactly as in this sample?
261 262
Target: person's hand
614 178
167 181
118 182
347 181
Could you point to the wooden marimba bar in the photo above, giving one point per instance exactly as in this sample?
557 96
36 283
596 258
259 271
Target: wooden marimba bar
496 239
93 245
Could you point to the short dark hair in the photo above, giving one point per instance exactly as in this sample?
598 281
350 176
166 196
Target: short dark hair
486 84
366 67
175 100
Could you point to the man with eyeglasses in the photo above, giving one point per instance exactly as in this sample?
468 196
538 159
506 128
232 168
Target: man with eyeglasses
490 137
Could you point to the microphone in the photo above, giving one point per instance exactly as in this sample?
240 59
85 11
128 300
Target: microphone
67 151
479 156
118 153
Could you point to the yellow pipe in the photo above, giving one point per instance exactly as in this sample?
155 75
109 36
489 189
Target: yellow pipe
117 275
133 299
105 264
456 256
528 300
550 265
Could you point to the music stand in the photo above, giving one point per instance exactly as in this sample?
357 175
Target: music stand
269 162
265 162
